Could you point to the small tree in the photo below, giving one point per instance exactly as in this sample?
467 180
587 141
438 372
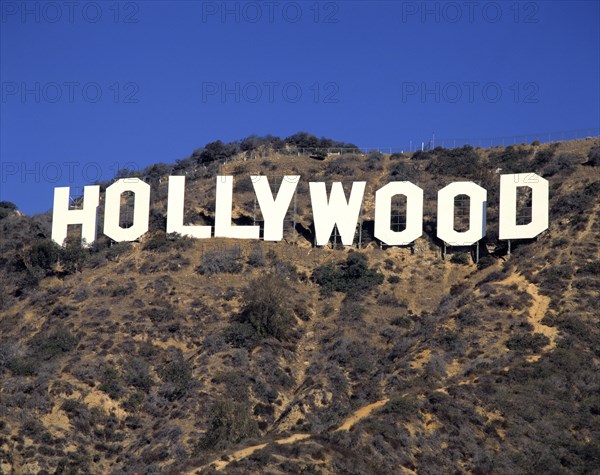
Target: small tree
230 423
319 155
221 261
43 254
353 276
218 152
177 374
460 258
73 255
46 346
594 157
6 208
266 306
137 374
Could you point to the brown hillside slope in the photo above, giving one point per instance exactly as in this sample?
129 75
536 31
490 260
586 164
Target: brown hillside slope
179 356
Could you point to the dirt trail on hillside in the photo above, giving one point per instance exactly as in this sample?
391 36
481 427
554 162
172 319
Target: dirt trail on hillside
348 423
537 311
536 314
361 414
243 453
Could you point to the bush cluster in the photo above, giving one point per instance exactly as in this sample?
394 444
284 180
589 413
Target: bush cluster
512 159
231 422
594 156
177 374
163 242
460 258
47 345
6 208
463 162
266 305
527 342
220 152
221 261
353 276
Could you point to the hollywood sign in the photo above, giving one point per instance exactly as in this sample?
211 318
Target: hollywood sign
329 211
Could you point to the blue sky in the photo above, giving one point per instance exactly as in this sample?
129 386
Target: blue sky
97 86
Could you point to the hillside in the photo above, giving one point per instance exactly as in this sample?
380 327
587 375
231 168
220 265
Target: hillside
172 355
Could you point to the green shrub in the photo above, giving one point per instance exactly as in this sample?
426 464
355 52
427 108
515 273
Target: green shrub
422 155
8 205
468 316
164 314
83 418
110 382
137 374
256 257
527 342
241 335
590 268
438 398
221 261
304 140
576 205
266 306
31 277
236 384
460 258
4 296
46 346
401 321
402 171
134 402
340 166
512 159
178 374
73 255
319 155
435 367
402 406
594 156
6 208
218 152
397 156
353 276
464 162
163 242
63 311
117 250
543 157
122 290
73 463
43 254
485 262
230 423
565 162
23 366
